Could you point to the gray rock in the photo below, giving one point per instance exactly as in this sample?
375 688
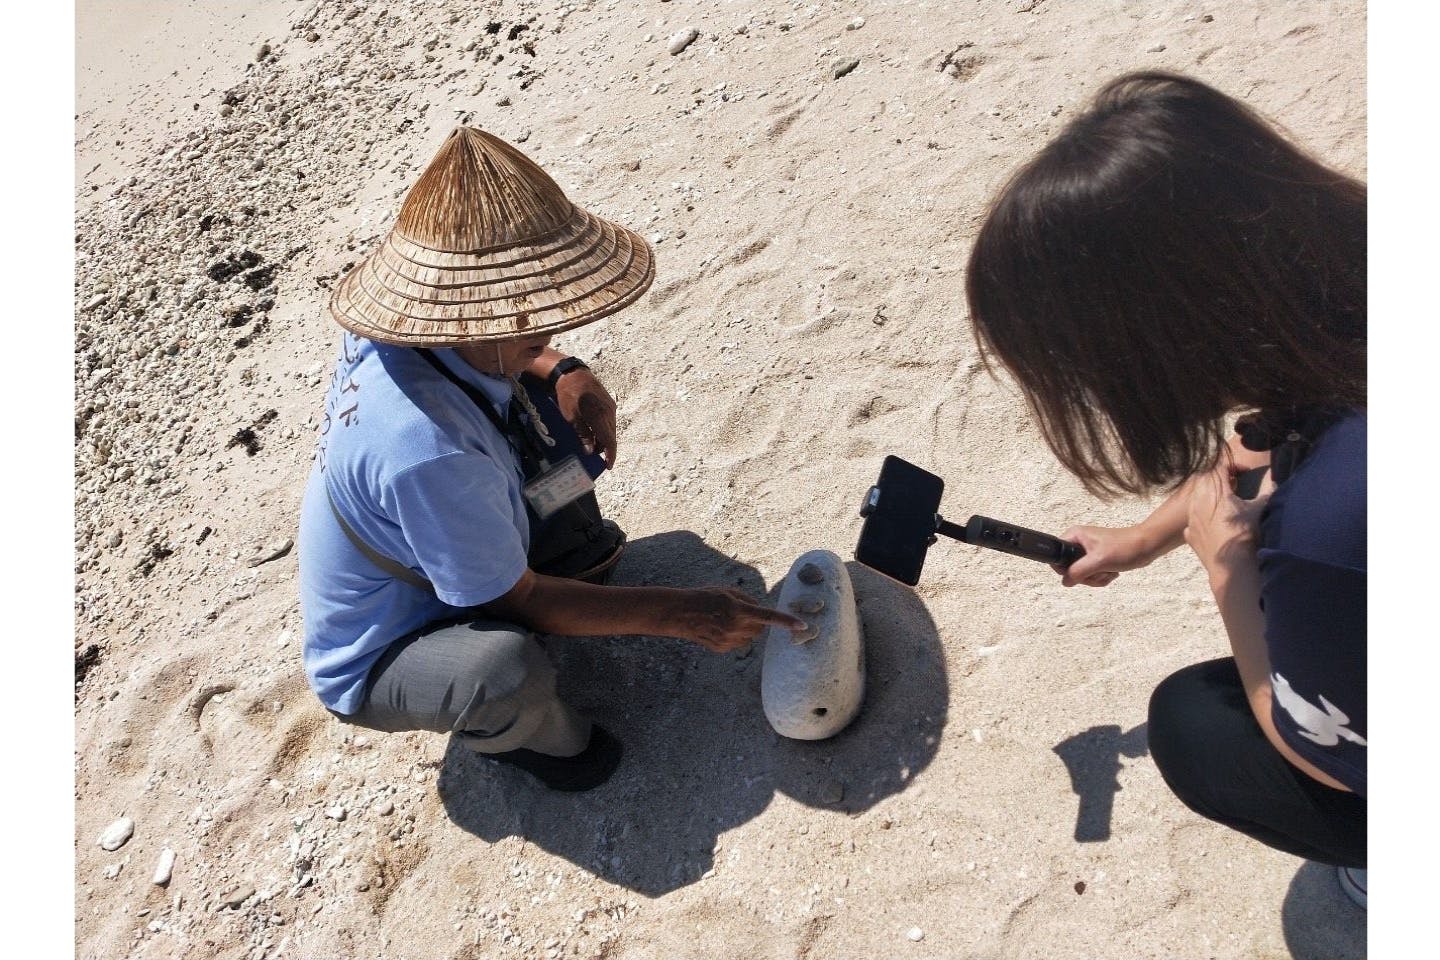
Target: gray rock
262 53
236 896
117 834
842 67
679 41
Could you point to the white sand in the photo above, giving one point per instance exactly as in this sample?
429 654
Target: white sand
807 321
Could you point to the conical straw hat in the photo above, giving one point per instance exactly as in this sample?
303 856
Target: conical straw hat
487 247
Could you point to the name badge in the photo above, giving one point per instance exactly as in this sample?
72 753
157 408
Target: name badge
561 484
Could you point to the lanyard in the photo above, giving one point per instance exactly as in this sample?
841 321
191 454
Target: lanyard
521 439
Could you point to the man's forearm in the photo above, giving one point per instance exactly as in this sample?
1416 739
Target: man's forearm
572 608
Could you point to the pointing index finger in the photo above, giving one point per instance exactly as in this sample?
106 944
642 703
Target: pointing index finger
781 619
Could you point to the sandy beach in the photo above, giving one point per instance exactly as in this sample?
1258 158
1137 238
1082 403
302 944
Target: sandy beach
811 176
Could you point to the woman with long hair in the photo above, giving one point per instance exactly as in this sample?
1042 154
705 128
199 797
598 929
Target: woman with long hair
1168 263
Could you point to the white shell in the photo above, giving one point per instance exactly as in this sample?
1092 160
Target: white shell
811 686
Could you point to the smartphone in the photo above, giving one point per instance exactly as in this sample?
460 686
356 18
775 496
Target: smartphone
900 514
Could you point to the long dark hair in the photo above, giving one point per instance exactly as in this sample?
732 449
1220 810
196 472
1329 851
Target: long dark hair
1170 258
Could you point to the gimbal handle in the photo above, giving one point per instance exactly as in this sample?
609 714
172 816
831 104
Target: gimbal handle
1008 538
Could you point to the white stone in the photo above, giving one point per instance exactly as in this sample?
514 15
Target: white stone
163 867
681 40
811 684
916 934
117 833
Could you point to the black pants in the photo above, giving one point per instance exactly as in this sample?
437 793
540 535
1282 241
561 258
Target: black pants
1212 753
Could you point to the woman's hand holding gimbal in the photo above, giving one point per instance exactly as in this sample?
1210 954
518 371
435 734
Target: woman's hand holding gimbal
1109 552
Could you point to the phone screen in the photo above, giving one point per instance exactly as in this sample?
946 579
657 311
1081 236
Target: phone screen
899 517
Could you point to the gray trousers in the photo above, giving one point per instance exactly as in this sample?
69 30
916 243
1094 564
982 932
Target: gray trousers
489 684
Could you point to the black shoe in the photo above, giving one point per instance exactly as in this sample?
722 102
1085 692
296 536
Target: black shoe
586 770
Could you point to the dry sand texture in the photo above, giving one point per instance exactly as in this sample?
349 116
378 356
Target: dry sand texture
807 319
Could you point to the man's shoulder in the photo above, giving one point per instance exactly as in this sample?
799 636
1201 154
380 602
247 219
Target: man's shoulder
389 413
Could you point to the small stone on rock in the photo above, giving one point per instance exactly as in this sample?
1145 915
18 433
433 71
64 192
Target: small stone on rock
811 574
117 833
807 605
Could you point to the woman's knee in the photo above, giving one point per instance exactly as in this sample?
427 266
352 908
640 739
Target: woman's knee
1192 722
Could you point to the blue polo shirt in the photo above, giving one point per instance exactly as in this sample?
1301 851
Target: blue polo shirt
424 478
1312 570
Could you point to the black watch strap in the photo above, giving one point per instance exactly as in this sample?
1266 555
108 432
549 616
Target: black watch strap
563 367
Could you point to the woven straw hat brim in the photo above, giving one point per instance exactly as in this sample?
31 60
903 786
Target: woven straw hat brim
409 295
584 253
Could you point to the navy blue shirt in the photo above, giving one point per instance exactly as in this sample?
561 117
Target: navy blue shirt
1312 592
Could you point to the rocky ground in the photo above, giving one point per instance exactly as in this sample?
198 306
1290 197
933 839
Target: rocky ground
811 175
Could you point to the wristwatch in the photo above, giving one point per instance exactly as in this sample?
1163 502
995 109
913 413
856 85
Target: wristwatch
563 367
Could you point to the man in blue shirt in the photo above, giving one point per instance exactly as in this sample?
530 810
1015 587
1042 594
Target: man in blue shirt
441 482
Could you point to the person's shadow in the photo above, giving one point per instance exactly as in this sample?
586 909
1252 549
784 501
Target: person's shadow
700 757
1318 920
1093 759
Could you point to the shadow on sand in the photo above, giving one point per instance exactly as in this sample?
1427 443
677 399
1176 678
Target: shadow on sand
1319 921
700 757
1093 759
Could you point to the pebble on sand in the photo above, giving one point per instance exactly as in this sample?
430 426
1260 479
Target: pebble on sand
679 41
841 67
164 867
916 934
117 833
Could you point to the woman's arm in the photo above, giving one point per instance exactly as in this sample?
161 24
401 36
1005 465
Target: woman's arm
1223 531
1110 551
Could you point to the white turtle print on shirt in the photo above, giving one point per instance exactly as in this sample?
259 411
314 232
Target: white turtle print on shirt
1325 727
